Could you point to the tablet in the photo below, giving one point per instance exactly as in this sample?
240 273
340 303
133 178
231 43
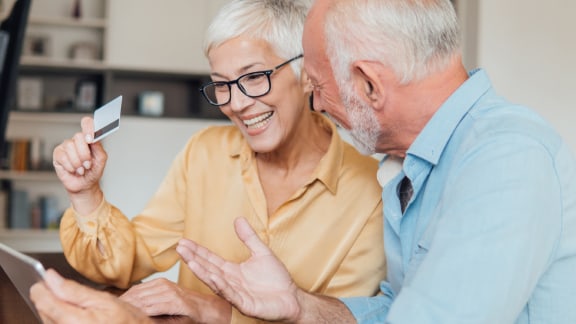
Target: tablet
23 271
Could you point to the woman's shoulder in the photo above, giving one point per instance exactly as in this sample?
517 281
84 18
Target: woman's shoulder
354 159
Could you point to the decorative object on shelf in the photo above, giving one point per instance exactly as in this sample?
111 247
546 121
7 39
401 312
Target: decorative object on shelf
86 95
59 103
19 216
30 93
25 154
17 154
151 103
77 9
50 214
36 151
84 51
37 45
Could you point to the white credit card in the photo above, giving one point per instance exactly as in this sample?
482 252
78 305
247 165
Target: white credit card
107 119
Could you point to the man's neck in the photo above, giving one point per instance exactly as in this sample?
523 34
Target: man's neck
416 102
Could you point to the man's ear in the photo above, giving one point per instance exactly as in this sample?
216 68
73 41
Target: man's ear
365 77
306 82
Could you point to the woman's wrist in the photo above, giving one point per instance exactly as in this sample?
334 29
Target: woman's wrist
86 201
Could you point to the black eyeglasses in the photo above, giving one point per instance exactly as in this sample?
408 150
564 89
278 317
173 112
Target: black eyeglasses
253 85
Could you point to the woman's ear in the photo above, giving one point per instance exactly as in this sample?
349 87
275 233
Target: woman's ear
367 83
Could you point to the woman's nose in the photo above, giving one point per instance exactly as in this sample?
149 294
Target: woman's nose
239 100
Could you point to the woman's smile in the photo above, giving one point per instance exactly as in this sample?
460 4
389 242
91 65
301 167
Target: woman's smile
259 121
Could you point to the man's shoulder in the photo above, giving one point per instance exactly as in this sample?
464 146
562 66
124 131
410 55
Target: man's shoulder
506 123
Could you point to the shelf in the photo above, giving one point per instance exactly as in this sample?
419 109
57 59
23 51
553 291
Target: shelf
47 117
151 71
28 175
32 240
69 22
63 63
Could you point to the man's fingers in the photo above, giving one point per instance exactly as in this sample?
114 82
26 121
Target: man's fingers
212 277
70 291
189 250
249 237
146 294
206 265
201 261
50 308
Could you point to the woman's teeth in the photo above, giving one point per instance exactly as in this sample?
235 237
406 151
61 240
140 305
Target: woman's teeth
259 121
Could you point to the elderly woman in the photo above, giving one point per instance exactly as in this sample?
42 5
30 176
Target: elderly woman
310 196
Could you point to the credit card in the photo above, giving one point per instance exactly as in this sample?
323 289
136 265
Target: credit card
107 119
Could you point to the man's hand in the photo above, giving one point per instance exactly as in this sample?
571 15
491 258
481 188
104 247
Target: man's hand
164 297
259 287
65 301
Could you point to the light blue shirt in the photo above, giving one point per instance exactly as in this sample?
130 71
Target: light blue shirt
489 235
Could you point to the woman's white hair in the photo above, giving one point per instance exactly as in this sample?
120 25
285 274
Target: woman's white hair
278 22
413 37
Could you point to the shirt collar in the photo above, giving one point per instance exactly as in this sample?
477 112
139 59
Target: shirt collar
432 140
327 170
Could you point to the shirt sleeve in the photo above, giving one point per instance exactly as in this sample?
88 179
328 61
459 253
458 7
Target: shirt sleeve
107 247
493 233
371 309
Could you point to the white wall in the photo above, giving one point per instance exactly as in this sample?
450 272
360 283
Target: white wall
139 155
529 50
170 34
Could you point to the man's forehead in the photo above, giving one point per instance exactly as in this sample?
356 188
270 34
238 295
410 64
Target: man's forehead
313 40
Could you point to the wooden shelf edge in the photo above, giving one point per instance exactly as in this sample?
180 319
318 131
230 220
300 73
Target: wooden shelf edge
97 65
69 21
48 116
28 175
32 240
62 63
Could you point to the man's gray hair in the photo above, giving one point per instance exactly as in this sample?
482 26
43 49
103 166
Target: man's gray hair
413 37
278 22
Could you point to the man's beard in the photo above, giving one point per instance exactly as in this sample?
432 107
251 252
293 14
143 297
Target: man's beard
365 128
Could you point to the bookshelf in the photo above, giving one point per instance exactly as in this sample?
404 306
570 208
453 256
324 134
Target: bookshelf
31 194
176 68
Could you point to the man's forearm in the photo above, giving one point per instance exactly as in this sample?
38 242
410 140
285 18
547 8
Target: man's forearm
322 309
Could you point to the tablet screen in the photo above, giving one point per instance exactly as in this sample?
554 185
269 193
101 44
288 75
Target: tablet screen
23 271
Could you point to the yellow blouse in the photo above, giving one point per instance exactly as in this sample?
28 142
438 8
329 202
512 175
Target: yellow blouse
328 234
